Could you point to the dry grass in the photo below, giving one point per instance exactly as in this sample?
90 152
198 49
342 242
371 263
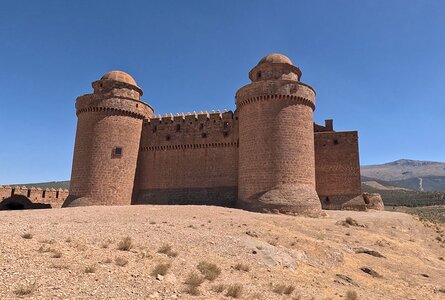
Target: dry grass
120 261
89 269
193 282
351 295
209 270
234 290
283 289
26 289
27 236
47 241
167 250
242 267
125 245
161 269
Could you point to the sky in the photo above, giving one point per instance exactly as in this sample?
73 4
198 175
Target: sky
378 67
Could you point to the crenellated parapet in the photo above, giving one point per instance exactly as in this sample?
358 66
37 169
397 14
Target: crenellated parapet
51 196
191 130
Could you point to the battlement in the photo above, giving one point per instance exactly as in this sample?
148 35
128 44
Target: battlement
190 130
35 195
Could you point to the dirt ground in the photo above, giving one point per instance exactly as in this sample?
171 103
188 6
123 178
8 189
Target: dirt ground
72 253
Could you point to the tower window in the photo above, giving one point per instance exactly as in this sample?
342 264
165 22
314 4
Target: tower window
335 142
258 76
204 135
178 127
117 152
167 137
28 194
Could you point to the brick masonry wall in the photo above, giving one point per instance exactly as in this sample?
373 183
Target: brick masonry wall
189 159
337 167
53 197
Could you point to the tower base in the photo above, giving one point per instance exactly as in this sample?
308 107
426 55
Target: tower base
285 199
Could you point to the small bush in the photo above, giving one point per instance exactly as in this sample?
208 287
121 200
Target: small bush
107 261
25 289
56 254
351 221
193 282
234 290
242 267
125 245
27 236
107 243
351 295
90 269
167 250
160 269
219 288
120 261
283 289
209 270
50 242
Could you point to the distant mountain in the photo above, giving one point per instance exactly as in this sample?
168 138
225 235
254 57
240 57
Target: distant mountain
415 175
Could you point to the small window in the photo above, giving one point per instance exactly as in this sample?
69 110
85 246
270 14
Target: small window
117 152
201 126
335 142
258 76
12 192
178 127
167 137
28 194
204 135
43 194
57 194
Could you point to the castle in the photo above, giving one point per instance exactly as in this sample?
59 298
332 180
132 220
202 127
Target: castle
267 155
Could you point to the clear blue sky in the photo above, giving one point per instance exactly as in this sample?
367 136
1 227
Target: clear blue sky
377 66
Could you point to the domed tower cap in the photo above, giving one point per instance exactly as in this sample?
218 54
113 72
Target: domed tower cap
276 58
275 66
120 76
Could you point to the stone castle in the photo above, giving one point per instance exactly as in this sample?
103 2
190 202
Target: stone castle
267 155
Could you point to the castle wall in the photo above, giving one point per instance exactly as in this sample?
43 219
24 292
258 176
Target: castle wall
190 159
337 167
35 196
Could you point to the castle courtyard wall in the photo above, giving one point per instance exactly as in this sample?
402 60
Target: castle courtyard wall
191 159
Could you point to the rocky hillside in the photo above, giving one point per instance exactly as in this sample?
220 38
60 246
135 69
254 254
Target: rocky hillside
410 174
204 252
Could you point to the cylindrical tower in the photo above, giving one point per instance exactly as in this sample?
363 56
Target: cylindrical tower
276 140
107 142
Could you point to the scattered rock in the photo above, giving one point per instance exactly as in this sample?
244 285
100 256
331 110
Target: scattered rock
369 251
159 277
371 272
347 279
252 233
425 275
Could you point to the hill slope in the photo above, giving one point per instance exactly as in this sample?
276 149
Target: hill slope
73 254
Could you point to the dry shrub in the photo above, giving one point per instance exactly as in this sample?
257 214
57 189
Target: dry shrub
242 267
60 266
193 282
68 240
209 270
26 289
107 243
107 261
27 236
160 269
56 254
234 290
47 241
90 269
120 261
351 295
125 245
219 288
167 250
283 289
